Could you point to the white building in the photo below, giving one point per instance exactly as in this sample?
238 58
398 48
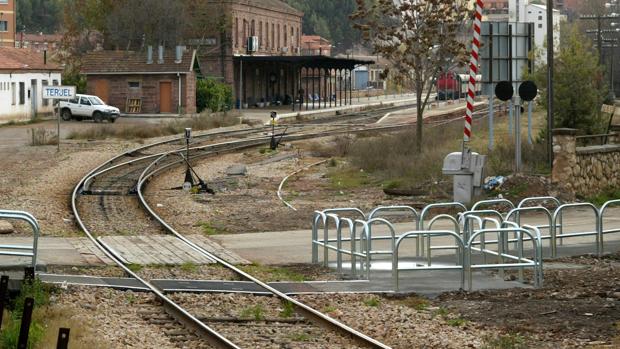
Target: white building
523 11
23 73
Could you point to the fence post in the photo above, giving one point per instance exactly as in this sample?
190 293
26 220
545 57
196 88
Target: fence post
28 274
4 284
63 338
22 342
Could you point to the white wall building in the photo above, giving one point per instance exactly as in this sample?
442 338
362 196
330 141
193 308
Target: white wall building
23 73
523 11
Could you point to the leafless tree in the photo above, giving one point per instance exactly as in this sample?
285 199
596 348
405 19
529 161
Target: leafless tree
421 37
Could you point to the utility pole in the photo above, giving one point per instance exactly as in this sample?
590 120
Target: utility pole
550 82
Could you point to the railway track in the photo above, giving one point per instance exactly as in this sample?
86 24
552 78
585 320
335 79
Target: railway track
110 200
104 201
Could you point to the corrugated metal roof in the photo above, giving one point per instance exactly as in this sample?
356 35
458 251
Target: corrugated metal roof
115 62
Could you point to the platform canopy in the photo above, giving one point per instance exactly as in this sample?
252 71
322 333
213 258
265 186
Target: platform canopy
305 82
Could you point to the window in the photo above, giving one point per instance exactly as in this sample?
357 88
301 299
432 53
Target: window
260 34
540 25
245 33
55 82
133 84
253 30
267 35
273 35
278 47
74 100
540 18
285 36
22 93
236 32
13 94
46 101
84 101
4 26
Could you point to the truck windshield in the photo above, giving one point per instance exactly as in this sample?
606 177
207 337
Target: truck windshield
96 101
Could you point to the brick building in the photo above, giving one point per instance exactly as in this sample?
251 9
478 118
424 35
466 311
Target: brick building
272 69
38 42
8 22
138 82
314 45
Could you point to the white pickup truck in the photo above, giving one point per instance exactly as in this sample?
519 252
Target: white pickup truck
87 107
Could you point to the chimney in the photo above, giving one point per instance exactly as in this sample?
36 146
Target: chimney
149 55
179 54
160 57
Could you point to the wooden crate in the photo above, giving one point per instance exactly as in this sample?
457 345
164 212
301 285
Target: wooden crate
134 105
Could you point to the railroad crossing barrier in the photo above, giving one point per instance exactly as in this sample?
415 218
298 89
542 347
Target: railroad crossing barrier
22 250
470 230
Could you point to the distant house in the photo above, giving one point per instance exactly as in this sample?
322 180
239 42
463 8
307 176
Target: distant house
138 82
23 73
314 45
38 42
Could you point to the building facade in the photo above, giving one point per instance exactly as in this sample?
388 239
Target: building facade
523 11
314 45
23 74
143 83
38 42
8 20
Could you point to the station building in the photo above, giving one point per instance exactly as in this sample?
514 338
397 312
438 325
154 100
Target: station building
23 73
258 51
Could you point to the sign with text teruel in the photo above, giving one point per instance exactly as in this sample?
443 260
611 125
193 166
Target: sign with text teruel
58 92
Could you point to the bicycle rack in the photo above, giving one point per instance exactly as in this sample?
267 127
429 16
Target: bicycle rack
426 210
22 250
601 222
596 232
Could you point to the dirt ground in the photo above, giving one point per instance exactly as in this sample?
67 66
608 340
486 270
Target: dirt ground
576 308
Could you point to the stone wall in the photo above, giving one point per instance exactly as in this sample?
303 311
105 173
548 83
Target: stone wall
584 171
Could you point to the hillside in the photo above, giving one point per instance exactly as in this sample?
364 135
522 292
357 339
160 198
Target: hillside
329 19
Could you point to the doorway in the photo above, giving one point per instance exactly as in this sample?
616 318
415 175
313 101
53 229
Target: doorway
165 97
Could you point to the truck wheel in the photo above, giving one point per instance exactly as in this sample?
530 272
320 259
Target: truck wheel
66 114
97 117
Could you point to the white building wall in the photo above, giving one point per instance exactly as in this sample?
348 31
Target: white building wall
15 108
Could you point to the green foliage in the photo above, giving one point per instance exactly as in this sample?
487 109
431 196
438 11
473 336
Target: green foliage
579 84
213 95
256 312
272 274
134 267
348 178
10 330
75 79
458 322
189 267
372 302
288 309
329 19
300 337
35 16
608 194
507 341
210 228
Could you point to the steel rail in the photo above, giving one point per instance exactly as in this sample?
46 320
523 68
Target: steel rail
312 314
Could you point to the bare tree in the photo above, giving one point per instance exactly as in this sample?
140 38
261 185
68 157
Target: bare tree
420 36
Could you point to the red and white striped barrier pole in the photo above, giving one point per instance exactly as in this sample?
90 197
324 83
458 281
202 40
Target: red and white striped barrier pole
473 71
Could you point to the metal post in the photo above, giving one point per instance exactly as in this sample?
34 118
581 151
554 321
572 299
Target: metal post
518 135
510 79
306 92
350 87
491 96
4 284
63 338
313 86
530 139
57 126
599 42
240 83
550 82
22 342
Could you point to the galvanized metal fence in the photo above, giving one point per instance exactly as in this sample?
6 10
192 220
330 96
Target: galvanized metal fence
498 236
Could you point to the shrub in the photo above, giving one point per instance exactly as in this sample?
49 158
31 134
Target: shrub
213 95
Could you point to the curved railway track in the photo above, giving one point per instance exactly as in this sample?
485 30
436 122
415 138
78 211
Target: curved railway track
111 196
104 195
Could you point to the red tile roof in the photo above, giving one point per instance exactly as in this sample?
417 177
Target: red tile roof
115 62
25 59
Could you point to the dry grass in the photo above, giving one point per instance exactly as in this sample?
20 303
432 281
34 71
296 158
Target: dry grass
80 336
394 160
41 136
202 122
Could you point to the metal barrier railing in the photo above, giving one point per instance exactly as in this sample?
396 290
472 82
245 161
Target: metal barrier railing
596 232
460 265
601 223
22 250
471 227
425 211
477 205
